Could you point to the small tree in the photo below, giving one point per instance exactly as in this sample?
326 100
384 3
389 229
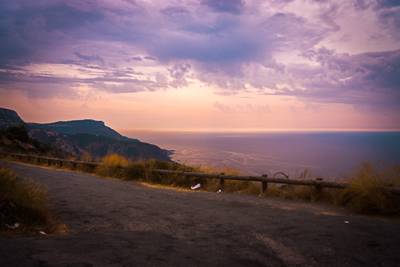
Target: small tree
19 132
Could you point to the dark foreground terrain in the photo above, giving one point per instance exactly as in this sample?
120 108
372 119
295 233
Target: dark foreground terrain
114 223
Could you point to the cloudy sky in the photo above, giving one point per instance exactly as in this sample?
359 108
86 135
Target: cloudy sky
203 64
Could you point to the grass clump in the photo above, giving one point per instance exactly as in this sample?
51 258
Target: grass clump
24 202
368 192
111 166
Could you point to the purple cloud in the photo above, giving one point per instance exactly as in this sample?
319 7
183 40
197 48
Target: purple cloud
228 6
229 44
149 58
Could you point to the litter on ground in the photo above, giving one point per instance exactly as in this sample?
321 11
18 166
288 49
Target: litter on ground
16 225
197 186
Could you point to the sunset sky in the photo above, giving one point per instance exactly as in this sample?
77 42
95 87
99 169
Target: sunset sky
210 65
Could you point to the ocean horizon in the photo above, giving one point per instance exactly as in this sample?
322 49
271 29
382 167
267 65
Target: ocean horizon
328 154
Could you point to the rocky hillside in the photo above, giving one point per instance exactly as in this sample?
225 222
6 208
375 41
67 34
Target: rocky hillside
79 137
9 117
99 146
15 139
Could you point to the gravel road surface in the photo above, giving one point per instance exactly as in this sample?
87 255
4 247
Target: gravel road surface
115 223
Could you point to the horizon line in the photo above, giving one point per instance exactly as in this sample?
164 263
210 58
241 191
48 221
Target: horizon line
250 130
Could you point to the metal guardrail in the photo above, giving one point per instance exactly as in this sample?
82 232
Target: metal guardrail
318 183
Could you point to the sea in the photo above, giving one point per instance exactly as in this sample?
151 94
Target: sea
325 154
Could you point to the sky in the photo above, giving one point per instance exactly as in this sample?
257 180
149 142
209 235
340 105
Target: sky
206 65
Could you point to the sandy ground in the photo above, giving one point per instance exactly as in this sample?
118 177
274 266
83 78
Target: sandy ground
115 223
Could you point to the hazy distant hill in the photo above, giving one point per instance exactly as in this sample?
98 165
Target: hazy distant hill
79 137
82 126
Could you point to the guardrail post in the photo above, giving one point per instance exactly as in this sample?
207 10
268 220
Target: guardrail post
318 188
222 181
48 162
264 185
61 163
38 160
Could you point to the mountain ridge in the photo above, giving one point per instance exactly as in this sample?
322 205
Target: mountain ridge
88 126
81 136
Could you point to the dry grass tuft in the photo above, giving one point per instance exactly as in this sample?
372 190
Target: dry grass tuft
24 202
111 166
367 193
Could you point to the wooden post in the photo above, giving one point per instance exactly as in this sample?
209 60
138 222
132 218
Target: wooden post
222 181
318 188
38 160
61 164
265 185
48 162
74 165
29 159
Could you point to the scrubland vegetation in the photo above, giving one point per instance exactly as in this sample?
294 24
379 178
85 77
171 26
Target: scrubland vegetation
367 193
24 207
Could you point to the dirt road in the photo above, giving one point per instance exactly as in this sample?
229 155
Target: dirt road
115 223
